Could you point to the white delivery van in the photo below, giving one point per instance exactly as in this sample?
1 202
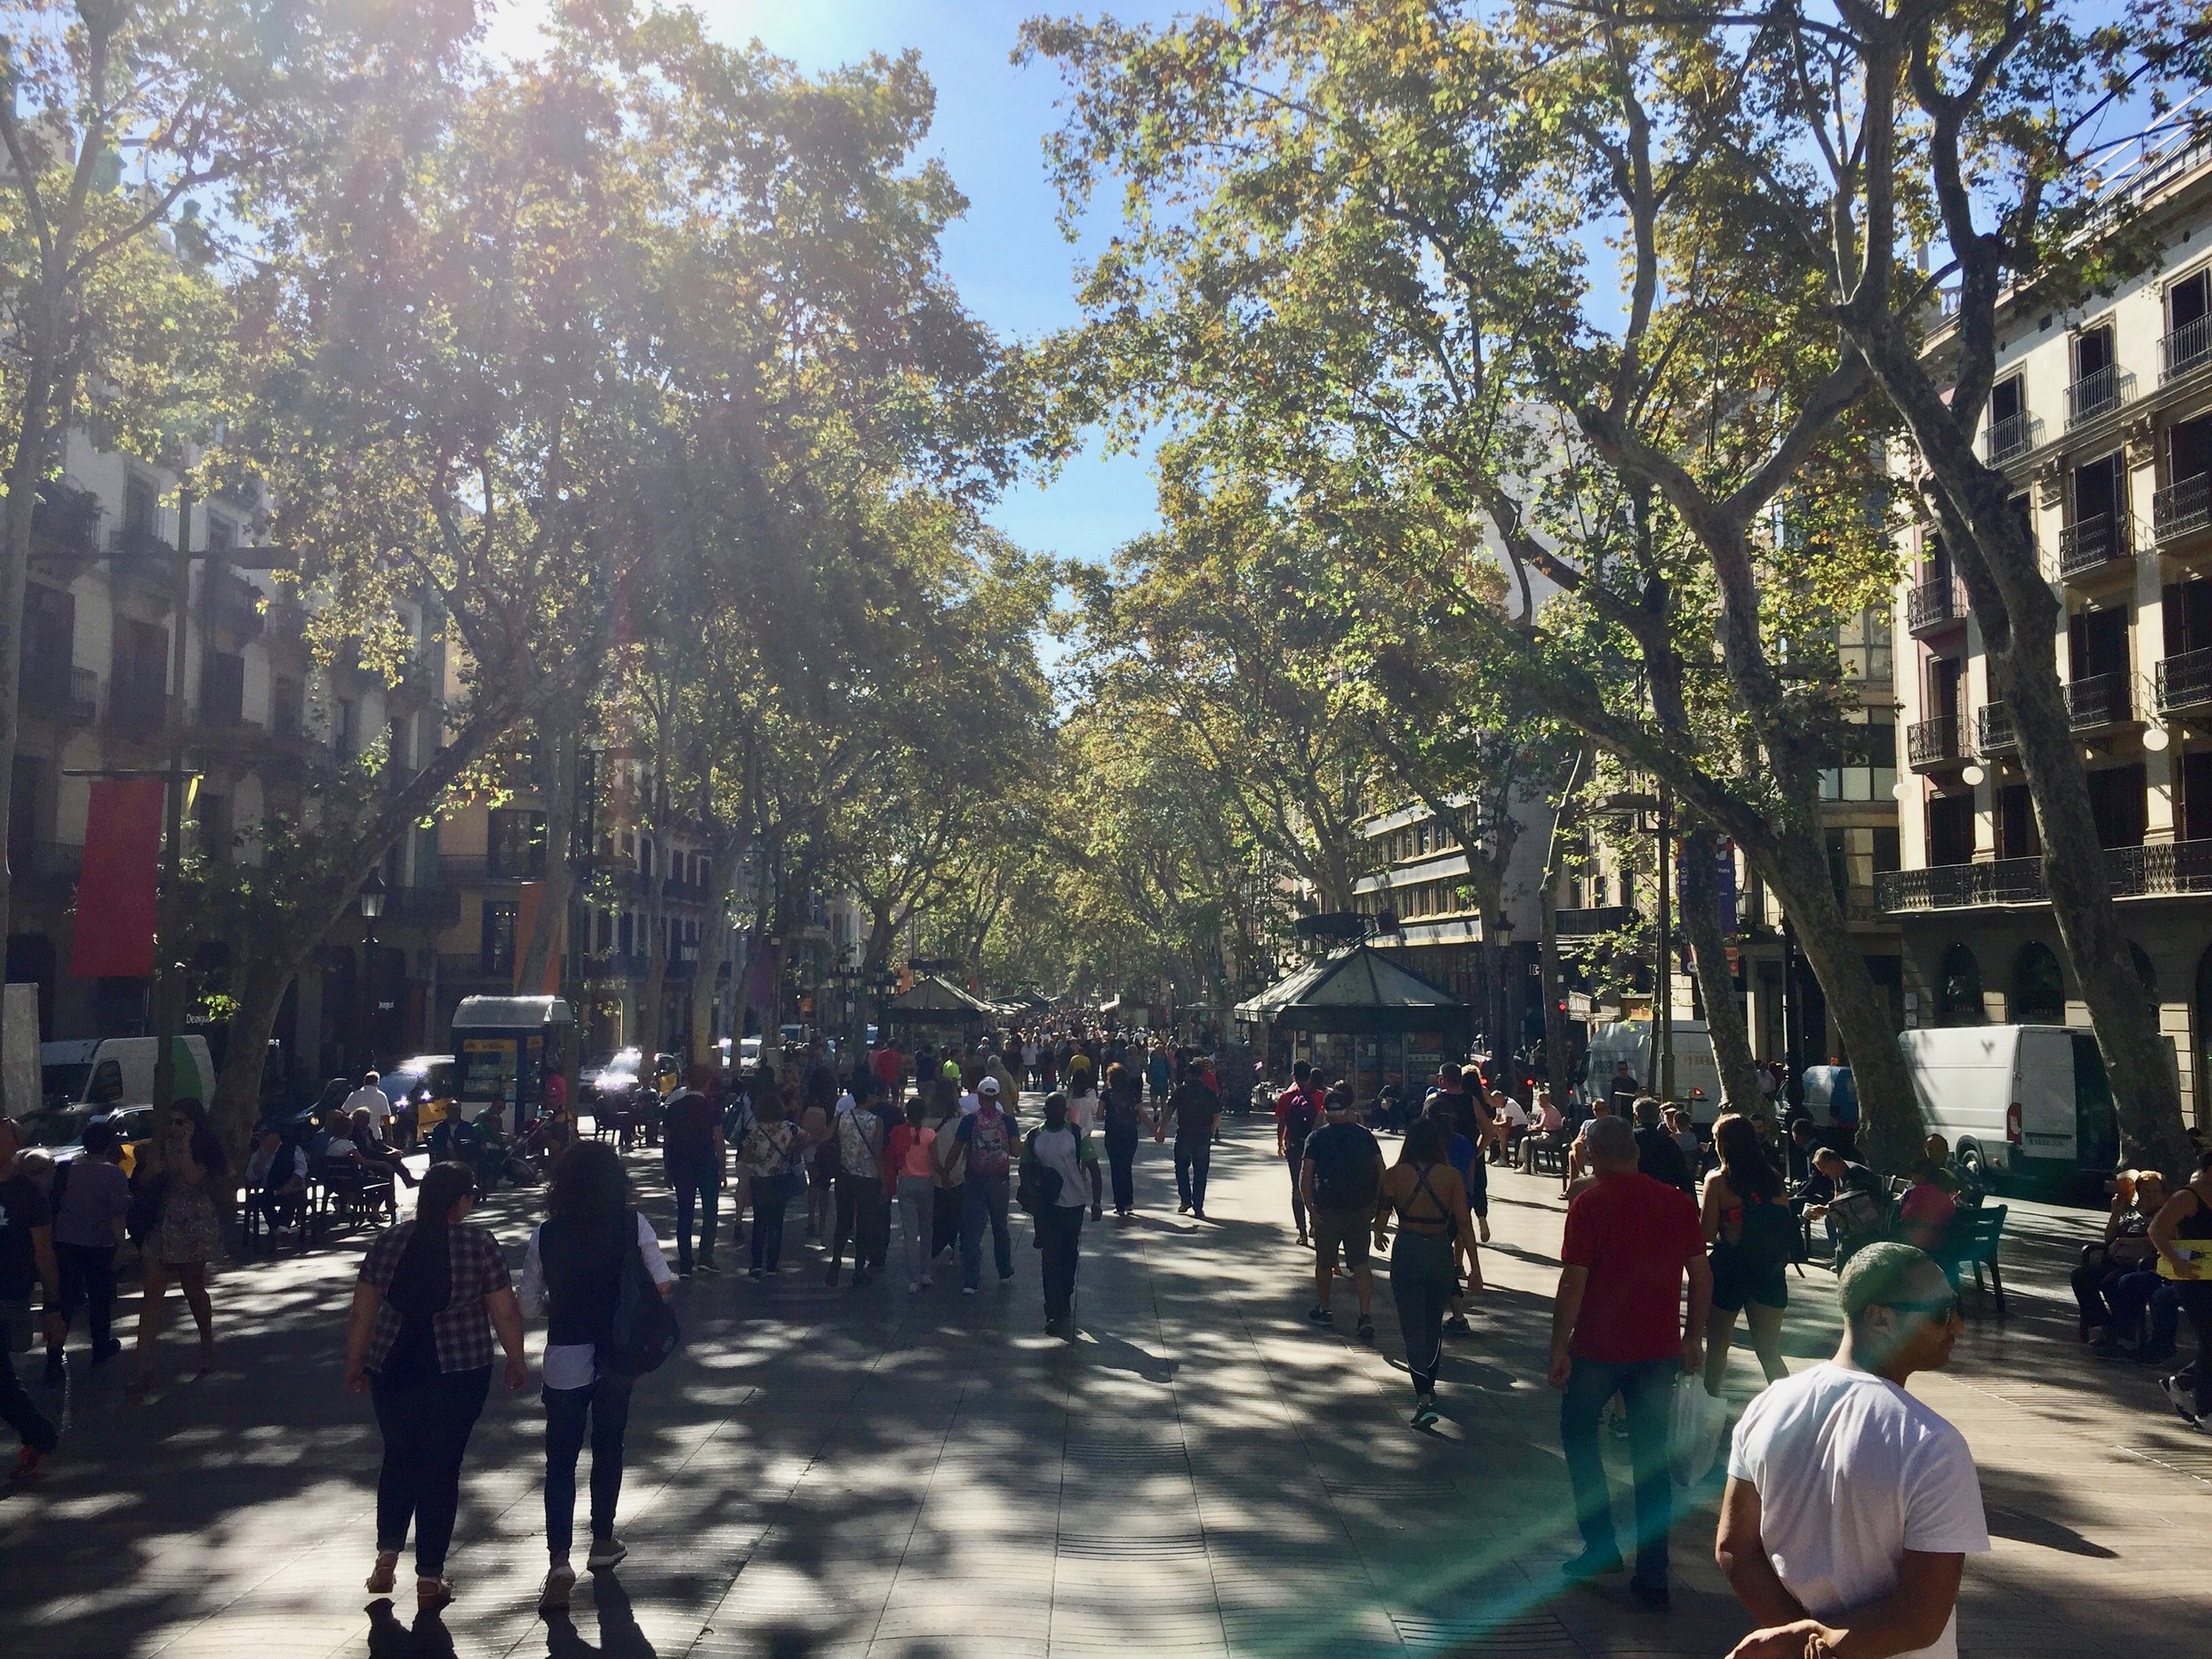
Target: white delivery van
107 1071
1696 1076
2027 1102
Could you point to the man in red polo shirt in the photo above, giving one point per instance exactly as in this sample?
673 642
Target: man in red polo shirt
890 1065
1619 1327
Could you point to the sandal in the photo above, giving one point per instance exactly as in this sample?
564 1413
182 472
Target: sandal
386 1574
432 1593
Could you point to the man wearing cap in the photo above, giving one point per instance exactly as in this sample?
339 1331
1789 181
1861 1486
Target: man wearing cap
1851 1507
987 1138
1339 1173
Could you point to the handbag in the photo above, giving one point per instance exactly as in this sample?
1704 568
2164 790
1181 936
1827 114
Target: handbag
645 1329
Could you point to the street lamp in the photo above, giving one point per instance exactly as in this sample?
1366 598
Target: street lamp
371 903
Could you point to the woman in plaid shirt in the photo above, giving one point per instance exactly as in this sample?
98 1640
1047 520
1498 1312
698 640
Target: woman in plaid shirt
431 1293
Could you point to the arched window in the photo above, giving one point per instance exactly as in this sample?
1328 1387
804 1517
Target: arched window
2039 987
2144 971
1959 989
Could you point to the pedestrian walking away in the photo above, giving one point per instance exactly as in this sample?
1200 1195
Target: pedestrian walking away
1851 1507
27 1265
1126 1118
984 1142
2181 1232
431 1293
1340 1177
1086 1110
1752 1238
857 1149
1298 1111
91 1199
572 1274
915 1171
692 1149
1658 1153
1059 1163
1618 1328
769 1153
1196 1111
948 1163
173 1221
1430 1201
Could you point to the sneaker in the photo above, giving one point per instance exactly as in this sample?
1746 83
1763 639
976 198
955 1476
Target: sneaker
106 1351
1320 1316
606 1553
710 1268
1366 1331
1424 1414
754 1274
1052 1327
683 1272
2183 1399
1199 1214
1458 1326
1182 1210
558 1583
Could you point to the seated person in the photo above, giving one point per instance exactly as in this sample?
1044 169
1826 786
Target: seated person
1847 1196
372 1152
456 1140
276 1176
1925 1213
2125 1249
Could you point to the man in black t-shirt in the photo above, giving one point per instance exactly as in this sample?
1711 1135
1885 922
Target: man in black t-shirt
1658 1154
1196 1112
1340 1177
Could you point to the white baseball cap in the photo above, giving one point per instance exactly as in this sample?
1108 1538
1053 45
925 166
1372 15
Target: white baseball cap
988 1086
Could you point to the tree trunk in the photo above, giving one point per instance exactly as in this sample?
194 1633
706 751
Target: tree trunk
560 878
656 948
725 858
1558 1041
1891 1134
1996 556
1709 951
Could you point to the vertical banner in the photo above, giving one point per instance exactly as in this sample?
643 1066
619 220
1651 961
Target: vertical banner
118 893
528 899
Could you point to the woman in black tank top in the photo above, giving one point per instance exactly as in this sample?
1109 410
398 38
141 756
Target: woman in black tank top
1431 1203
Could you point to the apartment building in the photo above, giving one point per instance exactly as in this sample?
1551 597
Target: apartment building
2101 418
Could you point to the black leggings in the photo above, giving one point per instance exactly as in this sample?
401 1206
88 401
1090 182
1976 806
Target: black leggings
426 1427
1296 1159
1422 1283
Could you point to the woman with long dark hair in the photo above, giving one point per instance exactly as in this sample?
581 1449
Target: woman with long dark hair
178 1234
1751 1236
769 1154
432 1292
1431 1203
574 1274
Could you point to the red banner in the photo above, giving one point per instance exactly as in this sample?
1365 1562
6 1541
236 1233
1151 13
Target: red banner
116 894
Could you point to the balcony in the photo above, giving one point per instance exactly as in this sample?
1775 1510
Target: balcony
66 523
2159 870
2013 435
474 870
2097 393
232 603
2097 701
2184 682
1935 603
137 555
2182 507
2188 346
71 698
1930 743
1993 730
2091 544
1592 920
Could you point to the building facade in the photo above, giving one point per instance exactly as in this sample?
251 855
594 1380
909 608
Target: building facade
2101 418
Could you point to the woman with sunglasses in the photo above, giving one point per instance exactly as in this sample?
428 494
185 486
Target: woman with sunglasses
178 1234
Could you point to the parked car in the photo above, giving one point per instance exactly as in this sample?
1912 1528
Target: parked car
61 1129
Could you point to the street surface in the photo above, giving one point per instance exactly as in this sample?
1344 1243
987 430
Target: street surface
847 1472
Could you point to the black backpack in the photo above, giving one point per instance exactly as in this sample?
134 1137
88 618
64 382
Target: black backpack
645 1329
1345 1187
1038 1187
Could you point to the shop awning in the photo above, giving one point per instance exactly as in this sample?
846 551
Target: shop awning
511 1013
1359 990
931 1001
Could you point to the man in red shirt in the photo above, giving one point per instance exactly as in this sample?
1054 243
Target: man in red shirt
890 1065
1298 1110
1619 1327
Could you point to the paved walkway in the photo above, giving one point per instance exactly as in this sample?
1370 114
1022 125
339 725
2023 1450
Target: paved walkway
863 1472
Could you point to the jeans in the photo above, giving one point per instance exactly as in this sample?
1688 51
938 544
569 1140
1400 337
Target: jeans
87 1278
606 1402
984 1200
859 1213
1296 1159
1059 1235
700 1189
1646 1388
1121 1163
771 1197
426 1427
917 1209
1421 1283
1191 1164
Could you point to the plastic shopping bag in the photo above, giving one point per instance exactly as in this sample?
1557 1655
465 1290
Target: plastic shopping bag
1693 1430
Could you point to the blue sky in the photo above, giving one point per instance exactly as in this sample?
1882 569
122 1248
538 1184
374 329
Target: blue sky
1012 264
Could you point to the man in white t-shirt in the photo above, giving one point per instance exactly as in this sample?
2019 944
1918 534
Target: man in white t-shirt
1851 1507
371 1099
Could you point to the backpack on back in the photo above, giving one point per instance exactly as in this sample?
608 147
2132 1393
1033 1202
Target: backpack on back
1347 1186
989 1151
645 1329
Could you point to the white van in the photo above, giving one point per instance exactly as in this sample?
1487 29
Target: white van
1696 1076
108 1071
2025 1102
